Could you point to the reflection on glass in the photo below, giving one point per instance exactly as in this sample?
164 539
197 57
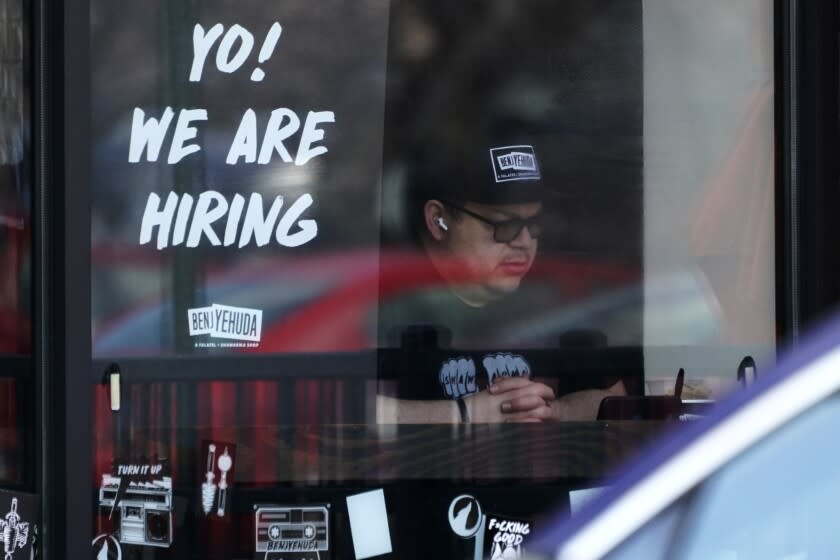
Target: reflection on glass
15 182
511 205
271 211
709 191
656 229
11 433
513 194
776 501
653 540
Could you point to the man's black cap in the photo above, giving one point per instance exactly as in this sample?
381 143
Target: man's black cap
502 172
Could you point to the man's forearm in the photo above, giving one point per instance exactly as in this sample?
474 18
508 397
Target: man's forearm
583 405
390 410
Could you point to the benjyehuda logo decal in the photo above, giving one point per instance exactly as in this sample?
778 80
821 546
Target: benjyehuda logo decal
225 322
514 163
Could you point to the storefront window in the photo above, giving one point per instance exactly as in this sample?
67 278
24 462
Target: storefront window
15 239
373 257
15 183
708 192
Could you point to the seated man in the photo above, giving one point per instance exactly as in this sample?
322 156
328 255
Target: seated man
480 232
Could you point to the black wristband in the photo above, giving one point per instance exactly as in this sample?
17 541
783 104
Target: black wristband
462 408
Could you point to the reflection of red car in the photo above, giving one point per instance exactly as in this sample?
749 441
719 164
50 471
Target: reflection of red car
15 266
15 338
329 302
345 318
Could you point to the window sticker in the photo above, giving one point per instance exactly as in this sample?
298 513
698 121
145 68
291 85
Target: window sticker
369 525
225 322
500 537
465 516
467 521
18 515
292 532
137 499
505 537
187 220
217 475
582 496
240 176
107 547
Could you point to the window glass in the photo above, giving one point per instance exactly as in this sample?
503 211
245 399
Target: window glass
652 541
708 192
12 468
631 247
366 246
15 181
235 174
775 501
16 395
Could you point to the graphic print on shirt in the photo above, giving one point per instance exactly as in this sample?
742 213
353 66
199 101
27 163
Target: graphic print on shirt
505 365
458 376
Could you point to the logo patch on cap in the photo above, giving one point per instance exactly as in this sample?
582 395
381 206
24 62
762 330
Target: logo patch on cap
514 163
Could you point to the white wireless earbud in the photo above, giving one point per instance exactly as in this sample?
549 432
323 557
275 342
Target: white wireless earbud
442 224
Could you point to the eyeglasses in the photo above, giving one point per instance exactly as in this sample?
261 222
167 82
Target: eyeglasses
505 231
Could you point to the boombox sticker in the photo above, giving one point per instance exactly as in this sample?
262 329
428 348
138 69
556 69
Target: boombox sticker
217 477
137 498
292 532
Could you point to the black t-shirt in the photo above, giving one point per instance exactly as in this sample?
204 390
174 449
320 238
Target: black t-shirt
437 308
437 347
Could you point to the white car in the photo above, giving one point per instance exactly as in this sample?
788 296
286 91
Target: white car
757 479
